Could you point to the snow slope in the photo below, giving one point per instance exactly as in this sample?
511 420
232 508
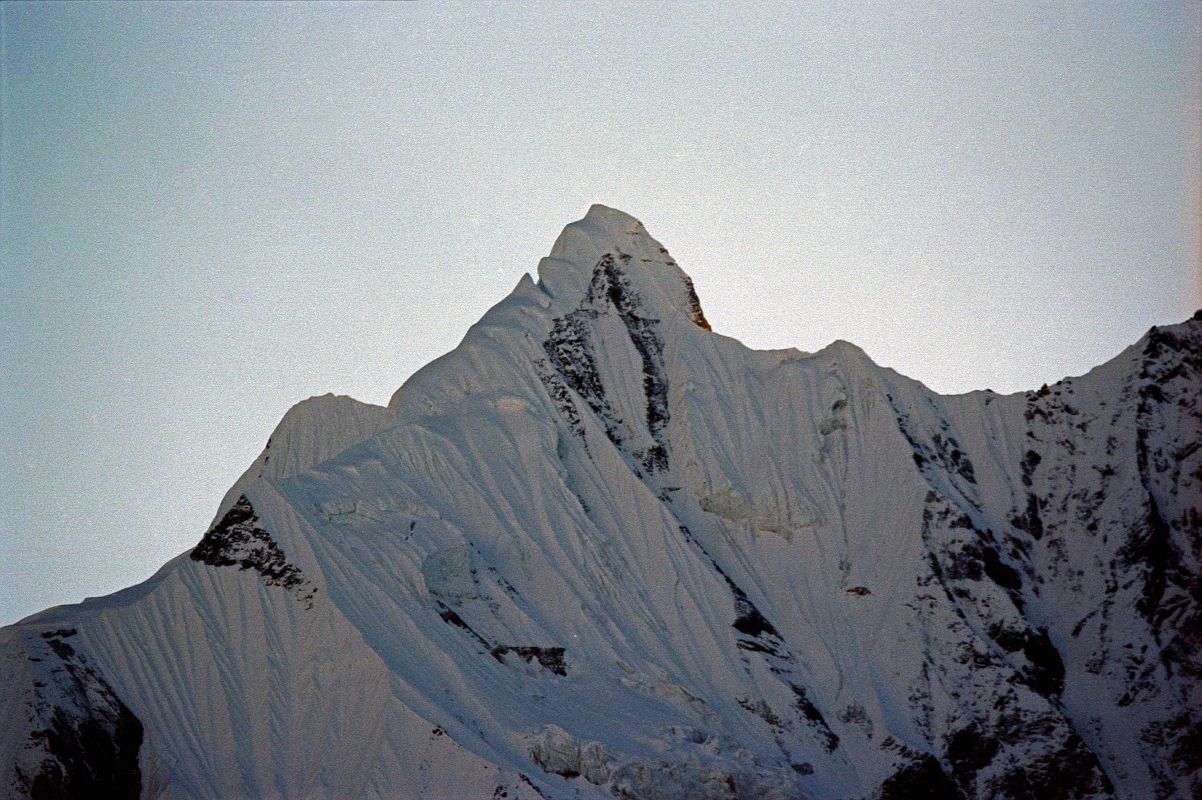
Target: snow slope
599 550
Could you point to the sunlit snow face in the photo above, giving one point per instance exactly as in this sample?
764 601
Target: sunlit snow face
211 212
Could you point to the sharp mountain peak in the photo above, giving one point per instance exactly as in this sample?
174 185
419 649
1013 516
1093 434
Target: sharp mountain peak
597 551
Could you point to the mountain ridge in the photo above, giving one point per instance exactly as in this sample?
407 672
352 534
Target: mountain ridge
598 550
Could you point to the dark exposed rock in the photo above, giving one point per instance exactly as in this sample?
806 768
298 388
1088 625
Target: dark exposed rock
810 711
1047 673
921 778
571 353
1187 744
558 391
239 540
751 622
549 658
1029 520
1030 462
760 709
953 459
1149 548
695 312
1072 772
1000 572
89 737
450 617
59 633
609 280
759 635
970 750
1163 551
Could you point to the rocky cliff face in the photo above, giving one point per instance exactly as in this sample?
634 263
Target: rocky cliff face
601 551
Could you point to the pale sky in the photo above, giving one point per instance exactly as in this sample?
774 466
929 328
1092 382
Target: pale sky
212 211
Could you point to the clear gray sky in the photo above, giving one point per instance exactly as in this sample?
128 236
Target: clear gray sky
212 211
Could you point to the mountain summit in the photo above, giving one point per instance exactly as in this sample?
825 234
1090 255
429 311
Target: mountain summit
601 551
662 286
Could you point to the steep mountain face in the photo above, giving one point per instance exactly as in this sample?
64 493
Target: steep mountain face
601 551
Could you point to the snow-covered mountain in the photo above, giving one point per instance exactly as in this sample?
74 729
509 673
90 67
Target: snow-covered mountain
599 550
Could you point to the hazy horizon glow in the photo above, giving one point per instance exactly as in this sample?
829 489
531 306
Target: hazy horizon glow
212 211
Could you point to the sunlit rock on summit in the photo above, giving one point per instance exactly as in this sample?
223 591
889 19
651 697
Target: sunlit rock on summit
599 550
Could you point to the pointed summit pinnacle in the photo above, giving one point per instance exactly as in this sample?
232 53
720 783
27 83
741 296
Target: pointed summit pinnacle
602 229
604 216
565 274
